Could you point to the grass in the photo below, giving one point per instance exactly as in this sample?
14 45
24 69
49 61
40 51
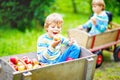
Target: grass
109 70
13 41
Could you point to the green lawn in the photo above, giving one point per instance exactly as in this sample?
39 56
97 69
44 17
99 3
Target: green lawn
109 70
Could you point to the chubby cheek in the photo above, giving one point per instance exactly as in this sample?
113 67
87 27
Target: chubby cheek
94 9
50 33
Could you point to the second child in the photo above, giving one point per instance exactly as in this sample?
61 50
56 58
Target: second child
98 23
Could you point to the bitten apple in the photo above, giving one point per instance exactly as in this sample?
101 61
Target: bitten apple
56 37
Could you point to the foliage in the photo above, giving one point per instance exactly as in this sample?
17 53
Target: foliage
113 6
81 6
20 13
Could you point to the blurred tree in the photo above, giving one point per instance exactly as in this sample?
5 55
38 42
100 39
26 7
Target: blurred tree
81 6
113 6
74 6
20 13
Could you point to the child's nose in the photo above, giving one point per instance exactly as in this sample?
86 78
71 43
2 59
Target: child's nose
56 27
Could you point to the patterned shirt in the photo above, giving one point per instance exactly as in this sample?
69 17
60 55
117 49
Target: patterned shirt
101 23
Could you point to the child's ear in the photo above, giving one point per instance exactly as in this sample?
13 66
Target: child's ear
46 29
102 7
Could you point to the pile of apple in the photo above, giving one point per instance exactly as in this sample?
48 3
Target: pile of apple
24 63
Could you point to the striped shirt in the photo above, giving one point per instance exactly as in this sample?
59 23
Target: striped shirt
45 52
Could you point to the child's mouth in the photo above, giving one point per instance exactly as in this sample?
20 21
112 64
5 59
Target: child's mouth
55 33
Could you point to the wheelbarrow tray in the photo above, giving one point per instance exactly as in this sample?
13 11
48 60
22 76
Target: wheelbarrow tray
78 69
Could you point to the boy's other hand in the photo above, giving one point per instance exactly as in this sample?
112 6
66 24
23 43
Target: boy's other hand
80 27
71 41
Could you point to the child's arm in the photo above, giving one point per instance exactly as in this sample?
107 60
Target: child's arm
68 41
102 27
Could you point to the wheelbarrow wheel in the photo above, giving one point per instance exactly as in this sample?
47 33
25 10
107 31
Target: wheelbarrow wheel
99 58
116 54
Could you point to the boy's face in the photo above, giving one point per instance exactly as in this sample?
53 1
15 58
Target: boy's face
54 29
97 8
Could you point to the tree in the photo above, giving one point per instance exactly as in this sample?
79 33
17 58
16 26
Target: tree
113 6
74 6
20 13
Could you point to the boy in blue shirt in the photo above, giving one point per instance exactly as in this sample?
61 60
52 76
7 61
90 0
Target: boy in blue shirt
49 44
98 23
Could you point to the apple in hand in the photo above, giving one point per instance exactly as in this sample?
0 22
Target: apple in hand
14 60
56 37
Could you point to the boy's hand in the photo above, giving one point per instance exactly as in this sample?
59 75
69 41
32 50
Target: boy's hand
71 41
56 41
93 19
80 27
56 38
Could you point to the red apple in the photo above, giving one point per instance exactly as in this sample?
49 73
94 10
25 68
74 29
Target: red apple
14 60
13 66
26 60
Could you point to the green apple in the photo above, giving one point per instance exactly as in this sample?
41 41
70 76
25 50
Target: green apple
21 68
29 66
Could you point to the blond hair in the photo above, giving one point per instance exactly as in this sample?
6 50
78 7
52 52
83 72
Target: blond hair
53 18
99 2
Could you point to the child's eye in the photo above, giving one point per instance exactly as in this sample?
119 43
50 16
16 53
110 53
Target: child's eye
59 27
52 27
